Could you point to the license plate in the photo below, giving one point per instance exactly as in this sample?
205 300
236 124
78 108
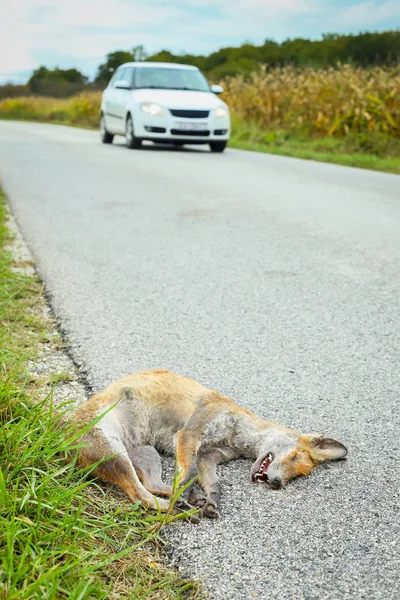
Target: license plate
187 126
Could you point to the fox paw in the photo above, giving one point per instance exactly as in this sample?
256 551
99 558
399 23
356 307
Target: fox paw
211 511
182 504
197 499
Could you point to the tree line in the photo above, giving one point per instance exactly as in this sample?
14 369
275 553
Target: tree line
363 49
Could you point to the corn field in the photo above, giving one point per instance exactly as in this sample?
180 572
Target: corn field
322 102
310 102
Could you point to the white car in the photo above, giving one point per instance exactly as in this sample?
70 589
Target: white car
164 103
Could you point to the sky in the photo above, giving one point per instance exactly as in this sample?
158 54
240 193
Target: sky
79 33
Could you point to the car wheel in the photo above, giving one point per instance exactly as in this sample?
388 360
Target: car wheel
131 141
105 136
218 146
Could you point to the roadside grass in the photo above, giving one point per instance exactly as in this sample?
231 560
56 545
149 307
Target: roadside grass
61 535
364 151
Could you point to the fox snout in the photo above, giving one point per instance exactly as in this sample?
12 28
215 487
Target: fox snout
264 470
275 483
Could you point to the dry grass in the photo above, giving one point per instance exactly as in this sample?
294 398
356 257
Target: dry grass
83 109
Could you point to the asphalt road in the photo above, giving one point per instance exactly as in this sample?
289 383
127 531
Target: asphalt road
274 280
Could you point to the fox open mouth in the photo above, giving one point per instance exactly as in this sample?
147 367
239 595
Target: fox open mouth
261 474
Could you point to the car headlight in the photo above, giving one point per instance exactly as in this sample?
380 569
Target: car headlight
221 112
155 110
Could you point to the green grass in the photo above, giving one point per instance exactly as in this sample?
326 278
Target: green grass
377 152
61 535
309 151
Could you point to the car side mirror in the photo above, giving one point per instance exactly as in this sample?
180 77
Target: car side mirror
217 89
123 85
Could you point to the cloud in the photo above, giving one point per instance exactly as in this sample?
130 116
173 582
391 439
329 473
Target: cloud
79 33
279 6
369 14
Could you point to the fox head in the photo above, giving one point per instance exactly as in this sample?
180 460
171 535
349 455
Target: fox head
284 456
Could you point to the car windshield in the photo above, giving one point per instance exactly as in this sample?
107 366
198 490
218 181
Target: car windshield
164 78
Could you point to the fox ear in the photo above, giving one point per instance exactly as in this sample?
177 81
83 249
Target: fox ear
323 448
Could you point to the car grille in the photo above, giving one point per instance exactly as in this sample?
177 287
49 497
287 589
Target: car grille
195 133
190 114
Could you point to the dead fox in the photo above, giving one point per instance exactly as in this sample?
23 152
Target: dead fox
159 411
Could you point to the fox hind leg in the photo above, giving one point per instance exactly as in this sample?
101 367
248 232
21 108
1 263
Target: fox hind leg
147 463
118 470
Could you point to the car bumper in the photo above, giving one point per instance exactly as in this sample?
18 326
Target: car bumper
168 128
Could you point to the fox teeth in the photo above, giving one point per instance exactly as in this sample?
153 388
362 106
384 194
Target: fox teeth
267 460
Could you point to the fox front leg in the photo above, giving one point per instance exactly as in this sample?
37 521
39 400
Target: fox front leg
207 467
187 445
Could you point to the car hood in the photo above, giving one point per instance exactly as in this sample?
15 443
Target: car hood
179 98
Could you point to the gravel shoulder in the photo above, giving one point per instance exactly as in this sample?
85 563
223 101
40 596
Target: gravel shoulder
52 369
